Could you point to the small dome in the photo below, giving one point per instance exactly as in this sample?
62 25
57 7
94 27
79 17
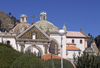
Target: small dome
20 28
23 15
45 25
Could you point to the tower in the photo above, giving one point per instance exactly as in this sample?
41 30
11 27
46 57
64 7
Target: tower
23 18
43 16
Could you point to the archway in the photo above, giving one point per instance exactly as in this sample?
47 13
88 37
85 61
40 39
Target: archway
34 49
8 42
54 47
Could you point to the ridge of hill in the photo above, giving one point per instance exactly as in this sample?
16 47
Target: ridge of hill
7 21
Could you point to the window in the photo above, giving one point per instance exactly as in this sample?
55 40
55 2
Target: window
34 36
72 40
80 41
43 17
22 19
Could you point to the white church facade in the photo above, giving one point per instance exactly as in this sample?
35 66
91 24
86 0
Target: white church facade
43 37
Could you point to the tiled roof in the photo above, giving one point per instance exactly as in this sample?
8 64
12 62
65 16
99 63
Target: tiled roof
48 56
75 34
70 44
72 48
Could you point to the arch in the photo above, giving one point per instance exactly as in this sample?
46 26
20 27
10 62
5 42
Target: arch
55 41
54 46
37 47
8 42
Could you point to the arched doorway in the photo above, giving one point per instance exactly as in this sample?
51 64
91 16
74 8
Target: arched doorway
34 49
8 42
54 47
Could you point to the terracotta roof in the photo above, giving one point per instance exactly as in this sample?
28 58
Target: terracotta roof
70 44
72 48
75 34
48 56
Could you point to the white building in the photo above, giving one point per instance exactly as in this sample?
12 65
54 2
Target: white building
43 37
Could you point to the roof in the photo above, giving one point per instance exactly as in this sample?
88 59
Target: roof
19 28
72 48
89 50
31 28
45 25
95 47
75 34
48 56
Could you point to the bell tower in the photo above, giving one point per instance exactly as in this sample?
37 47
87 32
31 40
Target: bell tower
43 16
23 18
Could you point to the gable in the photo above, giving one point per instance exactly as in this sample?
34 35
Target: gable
27 34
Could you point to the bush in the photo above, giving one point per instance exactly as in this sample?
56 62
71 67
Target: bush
57 63
7 55
87 61
27 61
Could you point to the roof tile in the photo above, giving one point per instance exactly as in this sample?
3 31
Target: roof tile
72 48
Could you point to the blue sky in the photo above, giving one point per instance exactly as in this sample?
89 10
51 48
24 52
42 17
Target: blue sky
75 14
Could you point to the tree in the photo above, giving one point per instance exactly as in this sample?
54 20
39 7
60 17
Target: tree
57 63
27 61
9 13
97 41
89 39
87 61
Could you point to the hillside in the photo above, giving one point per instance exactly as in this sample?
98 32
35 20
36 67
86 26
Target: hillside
7 22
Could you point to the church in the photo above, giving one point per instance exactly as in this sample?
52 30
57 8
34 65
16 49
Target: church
43 37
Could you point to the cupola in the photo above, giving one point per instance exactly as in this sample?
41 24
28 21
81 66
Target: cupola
23 18
43 16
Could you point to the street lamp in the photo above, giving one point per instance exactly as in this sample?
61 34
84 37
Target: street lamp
61 33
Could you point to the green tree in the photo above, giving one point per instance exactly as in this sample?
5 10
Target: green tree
97 41
87 61
27 61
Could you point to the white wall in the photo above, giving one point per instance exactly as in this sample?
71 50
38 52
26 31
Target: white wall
12 41
71 54
77 42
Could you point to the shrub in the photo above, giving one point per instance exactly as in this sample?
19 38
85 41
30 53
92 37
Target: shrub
27 61
57 63
87 61
7 55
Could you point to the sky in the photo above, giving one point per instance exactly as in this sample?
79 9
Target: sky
75 14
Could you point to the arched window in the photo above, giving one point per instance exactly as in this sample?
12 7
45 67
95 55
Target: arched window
8 42
22 19
72 40
80 41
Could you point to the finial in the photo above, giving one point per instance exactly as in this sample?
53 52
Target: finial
80 29
64 27
33 19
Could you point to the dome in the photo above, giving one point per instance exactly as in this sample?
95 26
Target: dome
19 28
45 25
22 26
